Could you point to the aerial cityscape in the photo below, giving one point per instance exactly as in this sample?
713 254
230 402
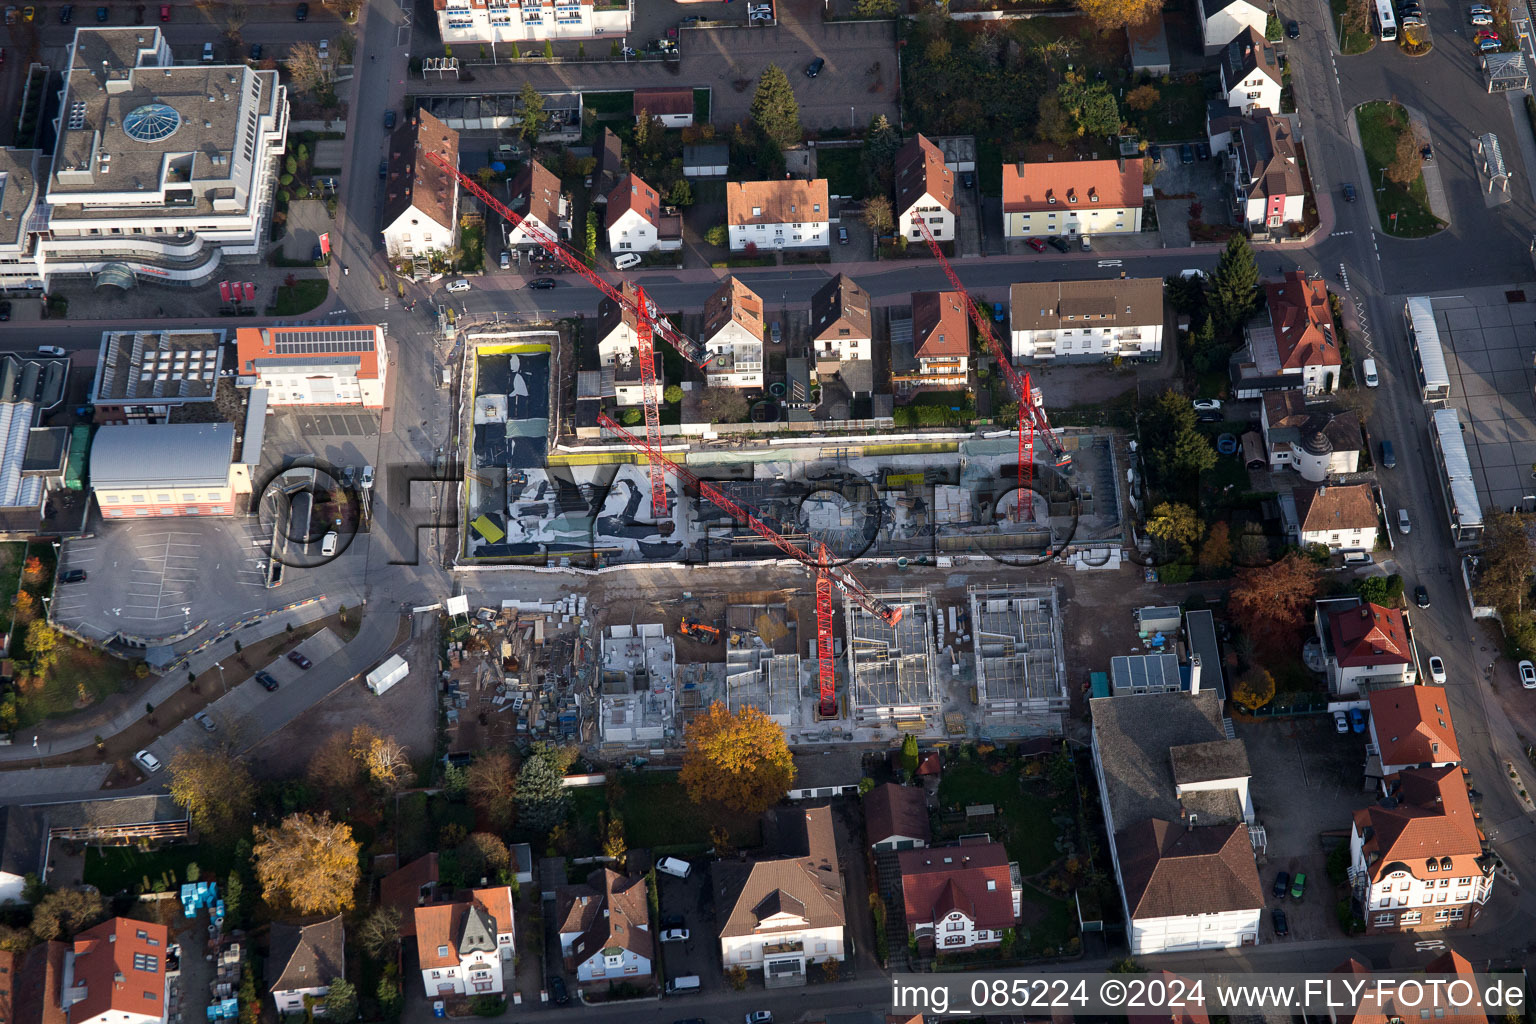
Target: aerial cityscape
801 508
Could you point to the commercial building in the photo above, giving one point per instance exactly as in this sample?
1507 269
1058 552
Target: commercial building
1072 197
1118 318
925 188
160 172
171 469
531 21
637 692
960 897
637 222
773 215
466 948
304 960
733 336
34 459
321 364
892 671
119 972
421 199
142 375
1021 674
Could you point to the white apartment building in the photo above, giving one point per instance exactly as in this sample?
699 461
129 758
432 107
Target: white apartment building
1098 320
161 172
733 336
466 948
925 187
527 21
637 222
421 200
1072 197
772 215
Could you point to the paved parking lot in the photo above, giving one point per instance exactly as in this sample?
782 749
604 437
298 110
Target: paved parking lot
689 897
1308 781
1488 341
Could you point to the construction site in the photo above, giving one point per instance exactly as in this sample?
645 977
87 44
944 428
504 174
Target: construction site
1021 677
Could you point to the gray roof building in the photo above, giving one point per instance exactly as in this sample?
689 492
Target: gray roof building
306 956
166 455
1116 302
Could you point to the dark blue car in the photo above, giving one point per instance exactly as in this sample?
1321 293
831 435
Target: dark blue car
1357 719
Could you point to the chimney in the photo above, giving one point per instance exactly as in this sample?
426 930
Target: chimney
1194 674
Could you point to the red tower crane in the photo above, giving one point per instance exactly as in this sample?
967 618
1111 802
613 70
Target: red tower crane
1031 410
648 321
827 573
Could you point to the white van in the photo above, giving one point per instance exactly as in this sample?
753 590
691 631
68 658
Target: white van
674 866
686 983
328 544
1371 380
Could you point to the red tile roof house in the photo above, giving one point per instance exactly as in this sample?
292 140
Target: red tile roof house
1303 331
673 107
1365 646
1411 728
1416 858
605 928
409 887
537 197
466 948
116 974
1372 1005
1072 197
941 343
637 222
960 897
925 187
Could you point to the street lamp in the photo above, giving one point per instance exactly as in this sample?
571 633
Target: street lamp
220 666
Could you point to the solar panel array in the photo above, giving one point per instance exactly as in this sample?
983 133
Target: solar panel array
302 342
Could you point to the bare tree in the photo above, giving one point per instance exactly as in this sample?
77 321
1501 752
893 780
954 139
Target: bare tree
234 22
305 70
877 215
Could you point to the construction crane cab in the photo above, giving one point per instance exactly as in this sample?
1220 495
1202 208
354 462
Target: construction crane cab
696 630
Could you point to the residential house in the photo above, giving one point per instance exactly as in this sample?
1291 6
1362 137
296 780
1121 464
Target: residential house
1317 443
960 897
1072 197
1250 73
1410 727
618 350
1416 857
609 154
786 911
1365 646
1222 21
1370 1004
1268 191
941 342
605 928
1116 318
537 197
32 984
1303 331
733 336
672 107
304 960
1177 809
408 887
1340 517
637 222
119 973
842 328
532 21
421 199
466 948
896 817
21 851
773 215
925 187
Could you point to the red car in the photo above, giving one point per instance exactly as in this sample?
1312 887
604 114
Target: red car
1037 245
165 12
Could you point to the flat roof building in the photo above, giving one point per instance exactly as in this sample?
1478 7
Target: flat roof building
142 375
317 364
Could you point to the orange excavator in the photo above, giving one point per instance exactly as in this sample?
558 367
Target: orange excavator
704 634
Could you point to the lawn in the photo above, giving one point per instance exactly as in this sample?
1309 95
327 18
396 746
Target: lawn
1381 123
119 869
82 677
1178 114
659 816
1350 41
701 101
305 295
841 168
1022 809
610 102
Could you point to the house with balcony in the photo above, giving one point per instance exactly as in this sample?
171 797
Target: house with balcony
1081 321
536 196
1250 74
466 948
421 199
773 215
605 928
1268 190
733 336
1365 646
1072 197
637 221
1416 858
934 345
785 911
1340 517
618 351
1410 727
960 897
925 187
842 328
1316 441
532 21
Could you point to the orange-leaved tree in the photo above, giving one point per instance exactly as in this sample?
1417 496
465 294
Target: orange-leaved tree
736 758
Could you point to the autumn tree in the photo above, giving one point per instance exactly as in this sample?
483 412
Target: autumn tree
1143 97
533 116
307 864
1216 552
334 771
1504 567
1404 168
63 913
1255 689
1052 123
306 72
483 855
542 799
379 933
775 110
877 216
33 571
383 760
42 646
215 789
874 8
723 405
1270 604
1112 14
1091 106
26 606
489 789
614 844
1176 527
739 759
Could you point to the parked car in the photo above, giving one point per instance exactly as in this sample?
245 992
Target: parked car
1528 675
1404 526
202 719
842 235
328 544
1437 669
1369 369
366 482
1349 192
1298 886
1037 245
1203 150
10 15
1155 154
672 920
674 866
266 680
255 51
814 67
458 285
760 1017
324 49
675 935
1480 9
1421 596
1482 19
28 13
207 53
1388 455
149 762
5 310
968 179
72 576
383 169
627 260
51 350
1207 405
1058 243
317 253
998 315
1485 45
776 332
1282 885
389 120
540 283
1357 720
1427 152
1340 722
1087 244
1186 154
506 260
1277 918
1293 30
301 12
299 660
557 993
103 13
